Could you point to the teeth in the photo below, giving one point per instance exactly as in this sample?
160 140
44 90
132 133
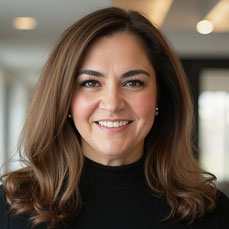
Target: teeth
113 124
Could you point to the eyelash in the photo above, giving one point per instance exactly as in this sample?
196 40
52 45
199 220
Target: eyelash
137 81
84 83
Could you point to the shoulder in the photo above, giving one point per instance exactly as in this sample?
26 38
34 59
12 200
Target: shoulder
7 219
3 208
222 209
219 218
222 199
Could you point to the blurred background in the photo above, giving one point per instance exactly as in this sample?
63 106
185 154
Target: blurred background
198 31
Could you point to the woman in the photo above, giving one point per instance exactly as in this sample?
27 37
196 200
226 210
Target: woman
107 139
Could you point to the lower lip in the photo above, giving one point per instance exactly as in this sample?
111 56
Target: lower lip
112 129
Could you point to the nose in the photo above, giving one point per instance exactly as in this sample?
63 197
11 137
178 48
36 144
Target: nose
112 100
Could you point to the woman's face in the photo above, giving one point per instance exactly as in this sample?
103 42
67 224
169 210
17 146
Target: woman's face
113 106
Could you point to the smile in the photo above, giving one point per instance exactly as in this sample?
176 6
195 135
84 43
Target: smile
115 124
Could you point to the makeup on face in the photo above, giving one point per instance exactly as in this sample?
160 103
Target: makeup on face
113 106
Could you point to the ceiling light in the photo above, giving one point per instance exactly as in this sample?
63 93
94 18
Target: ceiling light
204 27
24 23
219 15
155 10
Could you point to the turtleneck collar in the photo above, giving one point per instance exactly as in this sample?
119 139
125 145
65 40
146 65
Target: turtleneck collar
113 176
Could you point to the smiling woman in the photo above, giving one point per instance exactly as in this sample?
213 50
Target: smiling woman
107 141
115 99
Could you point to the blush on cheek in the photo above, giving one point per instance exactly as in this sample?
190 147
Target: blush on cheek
145 104
82 105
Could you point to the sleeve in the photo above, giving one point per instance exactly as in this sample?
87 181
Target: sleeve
223 210
3 209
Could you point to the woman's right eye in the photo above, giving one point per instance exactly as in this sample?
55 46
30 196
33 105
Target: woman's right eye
90 83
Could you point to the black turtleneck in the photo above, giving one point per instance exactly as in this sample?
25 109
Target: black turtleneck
117 197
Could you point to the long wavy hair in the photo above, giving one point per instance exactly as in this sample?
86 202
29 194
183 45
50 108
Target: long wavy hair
48 187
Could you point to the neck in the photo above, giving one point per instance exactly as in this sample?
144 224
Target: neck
110 160
113 176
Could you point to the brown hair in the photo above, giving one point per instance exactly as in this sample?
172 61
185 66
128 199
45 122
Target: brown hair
51 144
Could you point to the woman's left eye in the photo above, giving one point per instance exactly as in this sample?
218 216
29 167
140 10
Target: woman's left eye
134 83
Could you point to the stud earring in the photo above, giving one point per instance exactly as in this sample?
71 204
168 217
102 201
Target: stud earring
157 111
69 115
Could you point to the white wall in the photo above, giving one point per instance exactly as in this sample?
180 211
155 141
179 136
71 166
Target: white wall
14 101
3 131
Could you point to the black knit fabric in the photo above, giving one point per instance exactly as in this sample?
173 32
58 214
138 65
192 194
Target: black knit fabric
119 198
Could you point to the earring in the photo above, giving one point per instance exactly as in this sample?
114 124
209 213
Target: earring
69 115
157 111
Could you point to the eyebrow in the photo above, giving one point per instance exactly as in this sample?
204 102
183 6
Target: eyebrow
124 75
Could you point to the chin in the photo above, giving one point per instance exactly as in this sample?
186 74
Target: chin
113 153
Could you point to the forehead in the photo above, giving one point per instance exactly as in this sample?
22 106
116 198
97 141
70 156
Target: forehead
122 45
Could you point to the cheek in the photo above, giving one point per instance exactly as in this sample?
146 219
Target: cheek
82 106
144 105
